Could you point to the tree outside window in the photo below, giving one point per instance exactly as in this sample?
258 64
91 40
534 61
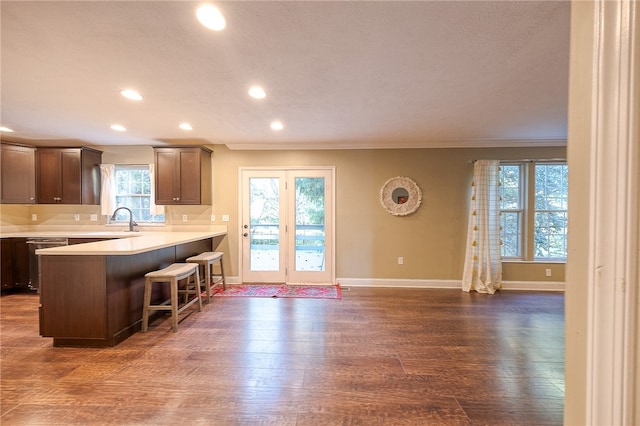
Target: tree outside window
534 210
133 190
550 219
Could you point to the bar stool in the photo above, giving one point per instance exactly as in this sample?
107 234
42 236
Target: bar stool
207 259
171 274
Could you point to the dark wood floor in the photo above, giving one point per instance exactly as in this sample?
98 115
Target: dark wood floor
377 356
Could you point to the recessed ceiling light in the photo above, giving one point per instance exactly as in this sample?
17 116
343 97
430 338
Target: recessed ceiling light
210 17
257 92
118 128
131 94
5 129
185 126
277 125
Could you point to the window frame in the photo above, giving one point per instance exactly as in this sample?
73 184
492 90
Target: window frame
527 223
535 210
160 220
521 211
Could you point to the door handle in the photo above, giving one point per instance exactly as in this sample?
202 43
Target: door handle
245 234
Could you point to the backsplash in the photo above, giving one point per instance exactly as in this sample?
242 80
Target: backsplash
15 217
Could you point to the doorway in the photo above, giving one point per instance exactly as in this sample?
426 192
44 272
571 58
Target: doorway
287 225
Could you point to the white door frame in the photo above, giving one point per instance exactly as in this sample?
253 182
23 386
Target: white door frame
331 208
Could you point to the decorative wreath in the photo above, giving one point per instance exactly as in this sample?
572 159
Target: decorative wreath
411 205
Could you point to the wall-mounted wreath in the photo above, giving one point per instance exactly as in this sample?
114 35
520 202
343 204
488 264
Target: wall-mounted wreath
400 196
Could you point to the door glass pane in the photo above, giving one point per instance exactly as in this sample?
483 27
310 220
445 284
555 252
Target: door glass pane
264 226
310 224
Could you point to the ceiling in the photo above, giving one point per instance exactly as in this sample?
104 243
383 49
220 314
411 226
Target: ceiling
386 74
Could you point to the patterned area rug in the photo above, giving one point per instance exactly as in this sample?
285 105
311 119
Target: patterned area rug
280 290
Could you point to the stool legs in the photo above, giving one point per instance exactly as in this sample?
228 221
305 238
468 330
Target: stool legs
224 280
198 290
206 260
173 302
147 302
206 269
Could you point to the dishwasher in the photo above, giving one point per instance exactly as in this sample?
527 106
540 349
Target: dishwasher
36 244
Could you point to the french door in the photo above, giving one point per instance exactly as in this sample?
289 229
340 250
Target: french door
287 225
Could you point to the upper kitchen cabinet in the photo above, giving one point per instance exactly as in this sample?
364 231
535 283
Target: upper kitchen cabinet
17 174
183 175
68 175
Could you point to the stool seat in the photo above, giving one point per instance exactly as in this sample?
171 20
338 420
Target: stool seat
178 270
209 256
206 259
172 274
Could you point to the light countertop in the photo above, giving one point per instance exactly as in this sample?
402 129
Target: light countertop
70 234
125 243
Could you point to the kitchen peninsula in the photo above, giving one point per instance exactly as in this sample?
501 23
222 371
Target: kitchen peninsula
91 294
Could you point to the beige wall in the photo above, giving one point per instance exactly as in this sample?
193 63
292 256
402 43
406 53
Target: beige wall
368 239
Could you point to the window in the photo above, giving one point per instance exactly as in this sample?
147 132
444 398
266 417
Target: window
511 212
534 210
133 190
550 217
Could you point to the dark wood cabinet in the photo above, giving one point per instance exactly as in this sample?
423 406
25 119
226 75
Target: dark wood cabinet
182 175
68 175
72 241
21 262
15 263
7 264
17 174
96 301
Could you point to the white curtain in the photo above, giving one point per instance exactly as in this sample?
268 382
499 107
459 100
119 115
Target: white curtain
154 209
483 260
108 189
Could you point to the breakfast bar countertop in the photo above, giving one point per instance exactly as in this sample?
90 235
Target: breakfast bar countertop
126 243
70 234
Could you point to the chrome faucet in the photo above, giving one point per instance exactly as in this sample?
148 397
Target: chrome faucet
131 222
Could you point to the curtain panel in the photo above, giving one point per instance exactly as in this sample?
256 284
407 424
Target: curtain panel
108 189
154 209
483 258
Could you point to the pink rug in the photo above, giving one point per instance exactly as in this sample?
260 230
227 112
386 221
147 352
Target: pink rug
280 290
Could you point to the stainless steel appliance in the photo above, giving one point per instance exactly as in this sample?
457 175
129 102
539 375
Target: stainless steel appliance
35 244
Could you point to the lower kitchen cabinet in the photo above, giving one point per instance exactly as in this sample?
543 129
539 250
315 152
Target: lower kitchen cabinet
7 264
96 301
15 264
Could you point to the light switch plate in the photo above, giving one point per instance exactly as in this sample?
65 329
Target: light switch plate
213 218
93 218
34 217
225 218
76 217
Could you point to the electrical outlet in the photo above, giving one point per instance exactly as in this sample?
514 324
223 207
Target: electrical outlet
547 272
213 218
225 218
93 218
34 217
184 217
76 217
400 260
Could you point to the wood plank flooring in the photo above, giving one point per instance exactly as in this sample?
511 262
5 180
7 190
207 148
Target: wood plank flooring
377 356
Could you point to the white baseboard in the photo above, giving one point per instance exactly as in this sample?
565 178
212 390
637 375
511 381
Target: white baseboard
404 283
